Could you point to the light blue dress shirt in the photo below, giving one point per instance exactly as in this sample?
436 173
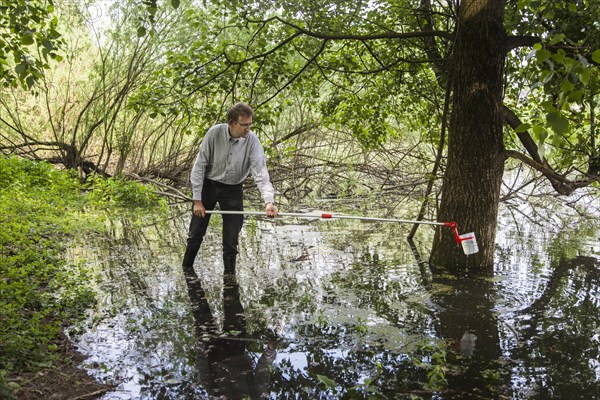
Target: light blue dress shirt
226 160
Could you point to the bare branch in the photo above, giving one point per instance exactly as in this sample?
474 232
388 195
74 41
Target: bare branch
561 183
265 54
343 36
298 131
513 121
169 191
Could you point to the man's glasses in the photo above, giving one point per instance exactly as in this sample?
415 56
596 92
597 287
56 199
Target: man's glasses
248 125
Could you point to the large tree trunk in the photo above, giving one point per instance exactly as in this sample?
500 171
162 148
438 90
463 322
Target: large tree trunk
471 185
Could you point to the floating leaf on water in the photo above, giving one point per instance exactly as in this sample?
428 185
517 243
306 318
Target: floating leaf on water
438 288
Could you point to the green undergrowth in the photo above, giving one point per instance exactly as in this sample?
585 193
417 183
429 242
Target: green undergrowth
43 211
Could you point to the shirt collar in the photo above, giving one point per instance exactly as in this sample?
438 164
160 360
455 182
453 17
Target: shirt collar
229 138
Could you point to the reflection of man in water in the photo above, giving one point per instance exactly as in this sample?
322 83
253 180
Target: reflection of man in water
225 368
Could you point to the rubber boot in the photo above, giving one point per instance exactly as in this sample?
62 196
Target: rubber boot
229 265
191 251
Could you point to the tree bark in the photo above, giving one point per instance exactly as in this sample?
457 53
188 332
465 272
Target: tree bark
476 156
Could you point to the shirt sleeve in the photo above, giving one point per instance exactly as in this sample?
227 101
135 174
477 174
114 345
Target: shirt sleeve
199 168
258 168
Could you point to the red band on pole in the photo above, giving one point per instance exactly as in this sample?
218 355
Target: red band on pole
324 215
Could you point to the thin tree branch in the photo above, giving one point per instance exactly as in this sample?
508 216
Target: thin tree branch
298 131
513 42
376 36
562 184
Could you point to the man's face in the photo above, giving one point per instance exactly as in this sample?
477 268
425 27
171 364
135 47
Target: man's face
241 127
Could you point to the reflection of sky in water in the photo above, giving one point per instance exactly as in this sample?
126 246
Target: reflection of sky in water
315 284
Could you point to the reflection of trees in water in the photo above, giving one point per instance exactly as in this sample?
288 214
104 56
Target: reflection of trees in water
369 280
558 351
551 348
398 375
466 319
480 362
225 366
130 252
333 352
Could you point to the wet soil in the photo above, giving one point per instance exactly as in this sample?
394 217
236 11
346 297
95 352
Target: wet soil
65 379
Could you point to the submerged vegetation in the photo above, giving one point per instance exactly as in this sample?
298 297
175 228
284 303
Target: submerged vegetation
42 211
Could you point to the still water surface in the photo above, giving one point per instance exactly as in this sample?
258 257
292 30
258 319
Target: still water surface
343 309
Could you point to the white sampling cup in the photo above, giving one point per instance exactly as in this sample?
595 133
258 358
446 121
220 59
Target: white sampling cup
469 243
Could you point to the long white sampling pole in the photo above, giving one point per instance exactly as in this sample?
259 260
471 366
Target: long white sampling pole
467 240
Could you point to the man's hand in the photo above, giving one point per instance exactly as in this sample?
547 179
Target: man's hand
199 209
271 210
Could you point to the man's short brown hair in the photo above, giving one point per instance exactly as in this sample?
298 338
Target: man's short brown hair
237 110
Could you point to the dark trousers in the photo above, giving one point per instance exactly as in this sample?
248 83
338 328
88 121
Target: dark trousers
229 198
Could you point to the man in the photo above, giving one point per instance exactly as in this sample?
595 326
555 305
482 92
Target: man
228 153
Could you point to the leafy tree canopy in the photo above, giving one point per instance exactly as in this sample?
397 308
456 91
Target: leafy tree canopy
28 40
367 64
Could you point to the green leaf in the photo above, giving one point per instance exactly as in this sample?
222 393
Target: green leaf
327 381
541 147
596 56
570 61
559 57
47 44
543 55
27 40
566 86
30 81
21 68
557 38
557 141
539 131
575 96
557 122
175 3
523 128
541 150
546 76
141 31
584 75
548 106
44 364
